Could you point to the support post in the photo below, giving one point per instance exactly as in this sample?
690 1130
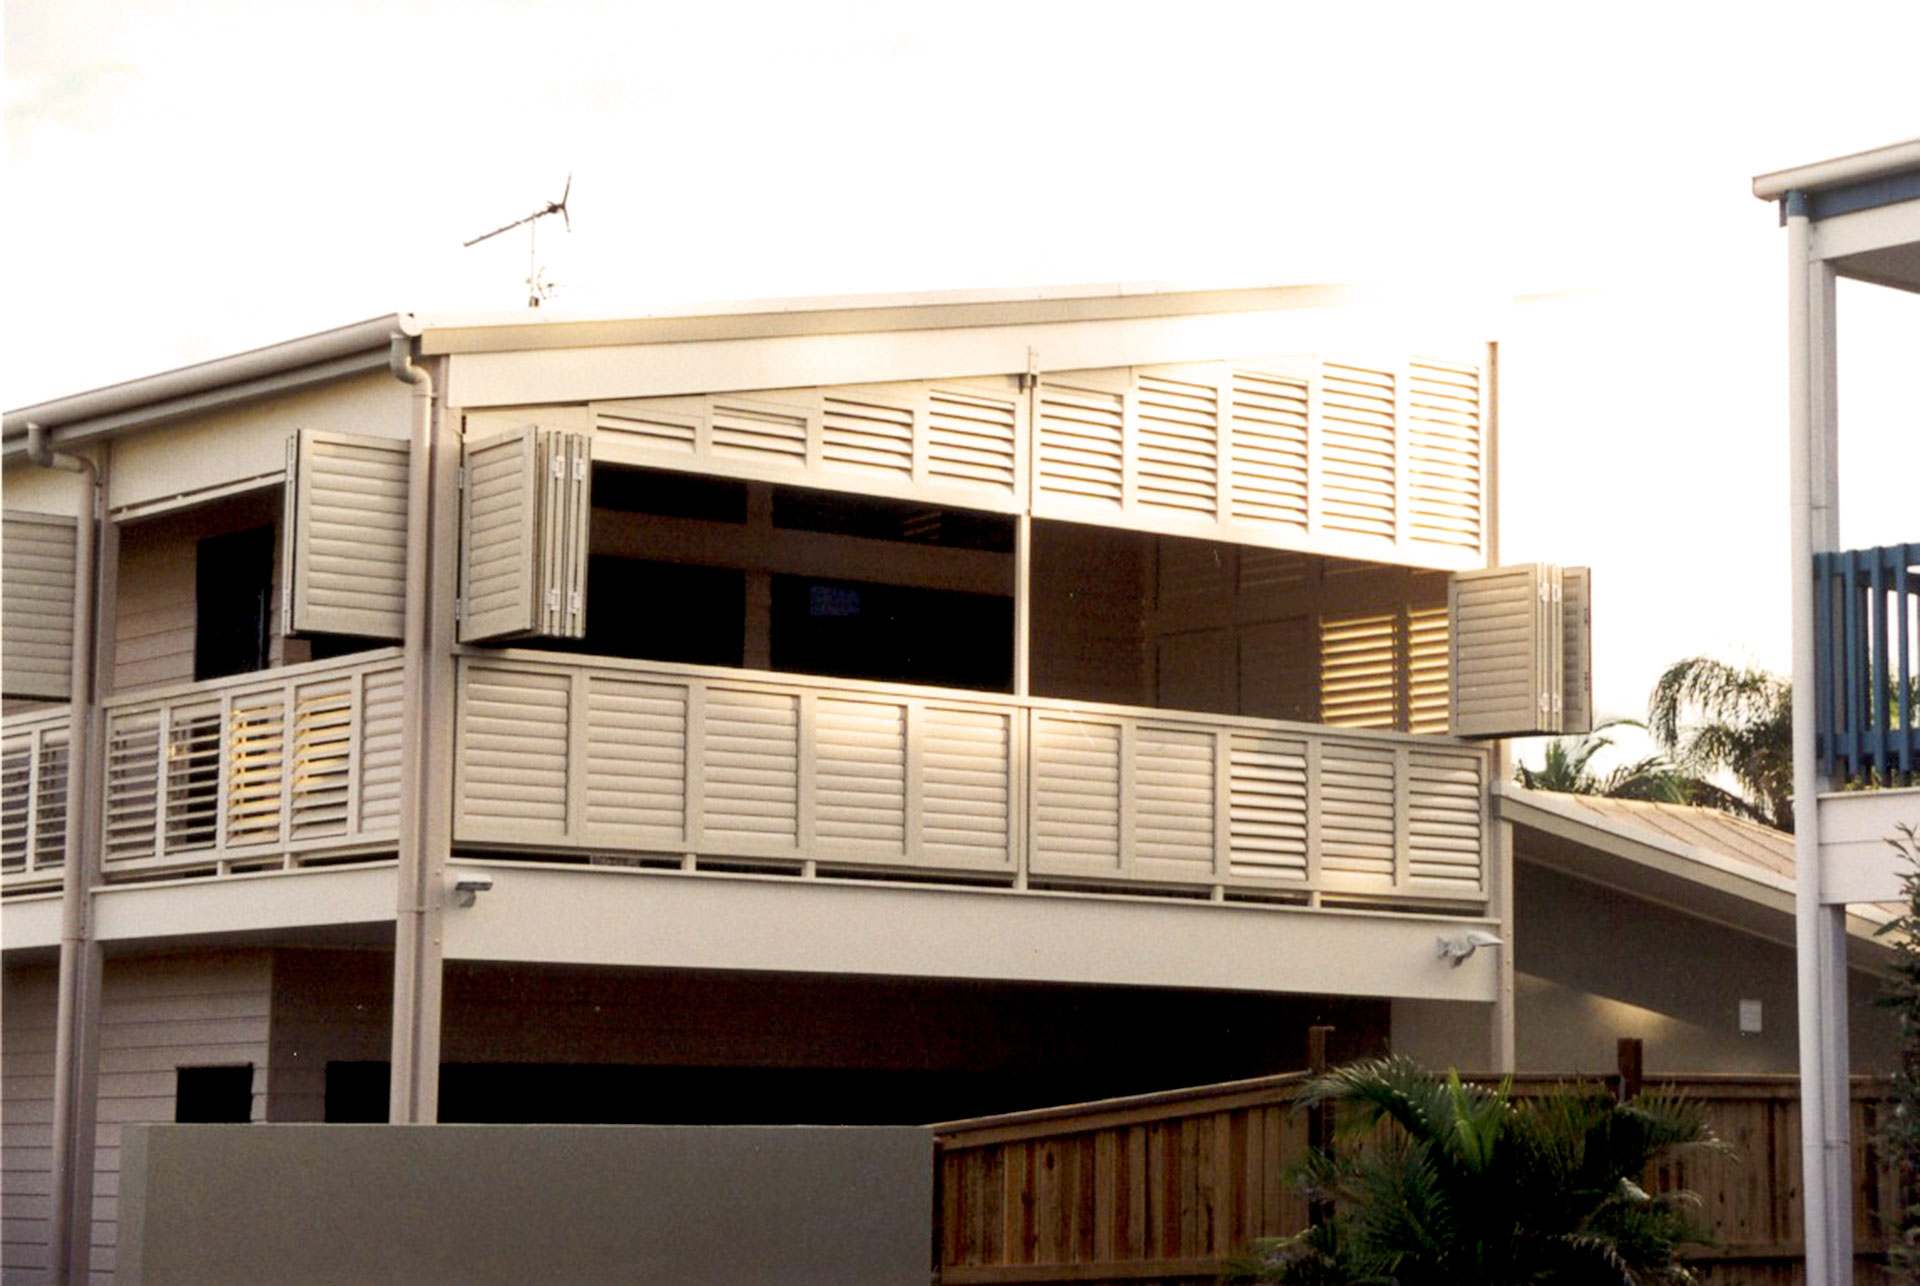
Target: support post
1630 1056
1820 930
1319 1120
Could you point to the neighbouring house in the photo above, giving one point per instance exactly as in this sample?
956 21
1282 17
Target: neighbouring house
824 711
1856 641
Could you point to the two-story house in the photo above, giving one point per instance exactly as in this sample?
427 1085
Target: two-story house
848 710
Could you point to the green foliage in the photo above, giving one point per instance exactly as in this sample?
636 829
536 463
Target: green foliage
1900 1132
1567 766
1711 717
1470 1184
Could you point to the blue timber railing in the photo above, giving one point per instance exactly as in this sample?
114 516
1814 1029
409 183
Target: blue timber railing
1868 621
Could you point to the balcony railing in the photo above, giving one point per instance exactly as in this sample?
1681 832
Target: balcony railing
1867 605
33 798
638 761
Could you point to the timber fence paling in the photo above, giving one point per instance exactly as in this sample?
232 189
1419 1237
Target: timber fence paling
1169 1187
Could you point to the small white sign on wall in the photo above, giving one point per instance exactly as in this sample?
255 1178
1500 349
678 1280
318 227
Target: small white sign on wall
1750 1023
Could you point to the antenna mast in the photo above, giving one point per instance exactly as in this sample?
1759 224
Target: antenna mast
536 288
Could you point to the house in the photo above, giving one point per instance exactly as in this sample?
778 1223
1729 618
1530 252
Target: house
846 710
1856 642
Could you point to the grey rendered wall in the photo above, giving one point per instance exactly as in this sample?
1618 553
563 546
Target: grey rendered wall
1594 964
516 1204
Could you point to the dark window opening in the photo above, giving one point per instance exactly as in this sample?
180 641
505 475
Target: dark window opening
892 633
213 1095
233 601
902 520
356 1093
647 611
670 495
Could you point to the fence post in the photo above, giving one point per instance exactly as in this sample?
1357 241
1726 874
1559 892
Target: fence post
1630 1056
1319 1120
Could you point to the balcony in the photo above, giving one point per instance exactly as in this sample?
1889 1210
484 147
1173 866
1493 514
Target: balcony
264 771
1867 625
641 763
607 762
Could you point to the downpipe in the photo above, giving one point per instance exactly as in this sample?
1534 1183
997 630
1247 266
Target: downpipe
71 1225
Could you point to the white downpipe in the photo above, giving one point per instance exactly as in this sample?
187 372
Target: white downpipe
1823 1061
71 1226
415 1090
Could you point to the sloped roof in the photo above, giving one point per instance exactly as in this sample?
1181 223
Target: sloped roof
1698 860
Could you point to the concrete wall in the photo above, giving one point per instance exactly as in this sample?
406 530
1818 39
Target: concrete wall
516 1204
1594 964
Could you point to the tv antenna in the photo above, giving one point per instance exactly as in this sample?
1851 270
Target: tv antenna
538 287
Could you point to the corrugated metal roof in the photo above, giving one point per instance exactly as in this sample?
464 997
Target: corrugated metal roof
1709 829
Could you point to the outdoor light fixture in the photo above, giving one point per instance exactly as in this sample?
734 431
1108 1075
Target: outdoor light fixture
1456 950
468 888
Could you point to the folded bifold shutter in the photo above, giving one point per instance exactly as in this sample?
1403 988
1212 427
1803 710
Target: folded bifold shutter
345 552
36 621
1576 603
1508 643
523 535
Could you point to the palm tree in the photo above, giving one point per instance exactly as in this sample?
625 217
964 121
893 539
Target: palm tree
1712 717
1470 1185
1567 766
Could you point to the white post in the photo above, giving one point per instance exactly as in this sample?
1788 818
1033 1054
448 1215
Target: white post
1820 930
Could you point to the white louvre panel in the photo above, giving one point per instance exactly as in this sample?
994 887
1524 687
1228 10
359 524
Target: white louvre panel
1173 803
971 441
1177 451
514 731
1082 447
382 700
1427 685
636 762
525 513
1076 795
966 769
935 442
751 758
1359 677
1359 470
1443 454
326 717
36 608
190 821
33 797
346 551
860 778
866 434
255 742
1576 614
1445 802
1506 643
759 432
1269 456
1268 808
132 785
1357 814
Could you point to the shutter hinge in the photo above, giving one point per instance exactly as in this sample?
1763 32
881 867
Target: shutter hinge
460 478
557 467
1031 378
573 603
579 469
553 600
459 608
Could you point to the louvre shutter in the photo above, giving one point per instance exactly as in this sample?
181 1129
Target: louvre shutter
1576 597
36 630
1507 640
345 555
524 517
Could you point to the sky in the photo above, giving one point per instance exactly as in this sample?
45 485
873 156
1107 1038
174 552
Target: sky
187 178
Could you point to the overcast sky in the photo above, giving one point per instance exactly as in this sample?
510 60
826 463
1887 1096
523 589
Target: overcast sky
190 177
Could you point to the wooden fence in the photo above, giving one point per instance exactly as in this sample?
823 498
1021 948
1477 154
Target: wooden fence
1167 1188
